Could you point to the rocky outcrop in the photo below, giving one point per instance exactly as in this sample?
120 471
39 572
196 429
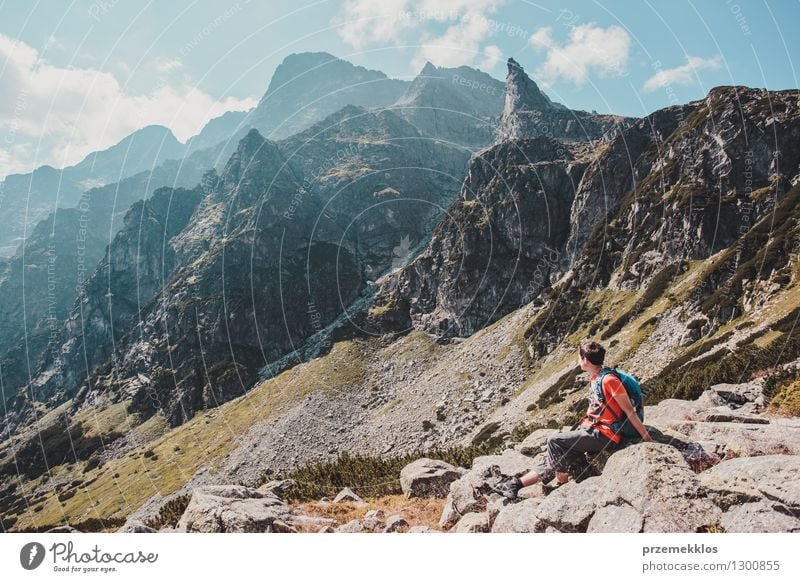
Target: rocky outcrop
498 246
528 113
428 478
232 508
652 487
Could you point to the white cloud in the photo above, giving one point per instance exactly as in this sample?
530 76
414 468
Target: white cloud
167 65
367 22
69 112
589 49
683 75
492 56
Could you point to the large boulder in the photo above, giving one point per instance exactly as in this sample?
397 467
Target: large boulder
428 478
519 517
734 439
649 486
233 508
535 443
774 477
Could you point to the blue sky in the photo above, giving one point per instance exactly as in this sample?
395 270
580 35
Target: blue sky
79 76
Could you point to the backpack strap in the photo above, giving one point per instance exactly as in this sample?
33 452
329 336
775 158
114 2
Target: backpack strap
598 389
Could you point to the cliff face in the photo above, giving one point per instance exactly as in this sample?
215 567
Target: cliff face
679 185
499 243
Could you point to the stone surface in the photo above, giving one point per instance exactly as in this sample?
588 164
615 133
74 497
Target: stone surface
473 523
760 517
536 442
775 477
135 527
352 526
616 519
233 508
428 478
349 495
519 518
395 523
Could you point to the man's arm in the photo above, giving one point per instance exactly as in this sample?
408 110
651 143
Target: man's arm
625 404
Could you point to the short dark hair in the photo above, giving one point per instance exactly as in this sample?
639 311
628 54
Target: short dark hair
593 352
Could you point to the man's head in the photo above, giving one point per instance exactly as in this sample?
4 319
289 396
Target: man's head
590 355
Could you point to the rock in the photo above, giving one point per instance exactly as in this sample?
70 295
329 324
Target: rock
698 458
649 486
774 477
536 442
469 493
233 508
473 523
570 507
733 439
616 519
532 491
739 393
510 463
726 414
348 494
63 529
277 488
374 520
494 507
395 523
421 529
352 526
519 518
655 480
326 529
428 478
280 526
759 517
135 527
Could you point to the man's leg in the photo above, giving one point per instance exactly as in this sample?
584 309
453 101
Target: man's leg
567 450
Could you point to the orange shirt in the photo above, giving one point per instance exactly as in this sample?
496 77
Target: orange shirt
612 386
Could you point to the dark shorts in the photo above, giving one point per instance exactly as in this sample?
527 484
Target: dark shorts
566 452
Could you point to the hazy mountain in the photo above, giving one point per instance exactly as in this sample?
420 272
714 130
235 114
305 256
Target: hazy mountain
307 87
460 105
27 198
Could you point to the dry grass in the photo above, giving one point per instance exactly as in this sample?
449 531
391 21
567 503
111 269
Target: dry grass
414 511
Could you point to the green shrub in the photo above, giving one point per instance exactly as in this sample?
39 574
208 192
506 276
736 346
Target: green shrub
369 476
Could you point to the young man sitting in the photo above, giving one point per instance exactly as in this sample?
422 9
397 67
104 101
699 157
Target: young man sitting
594 434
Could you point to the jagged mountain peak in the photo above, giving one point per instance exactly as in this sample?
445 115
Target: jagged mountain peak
528 112
522 92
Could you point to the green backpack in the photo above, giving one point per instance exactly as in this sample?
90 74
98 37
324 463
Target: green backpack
622 426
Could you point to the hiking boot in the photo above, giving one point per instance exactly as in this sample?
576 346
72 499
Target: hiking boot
508 488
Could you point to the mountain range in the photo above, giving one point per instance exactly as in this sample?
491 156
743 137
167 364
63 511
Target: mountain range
368 265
